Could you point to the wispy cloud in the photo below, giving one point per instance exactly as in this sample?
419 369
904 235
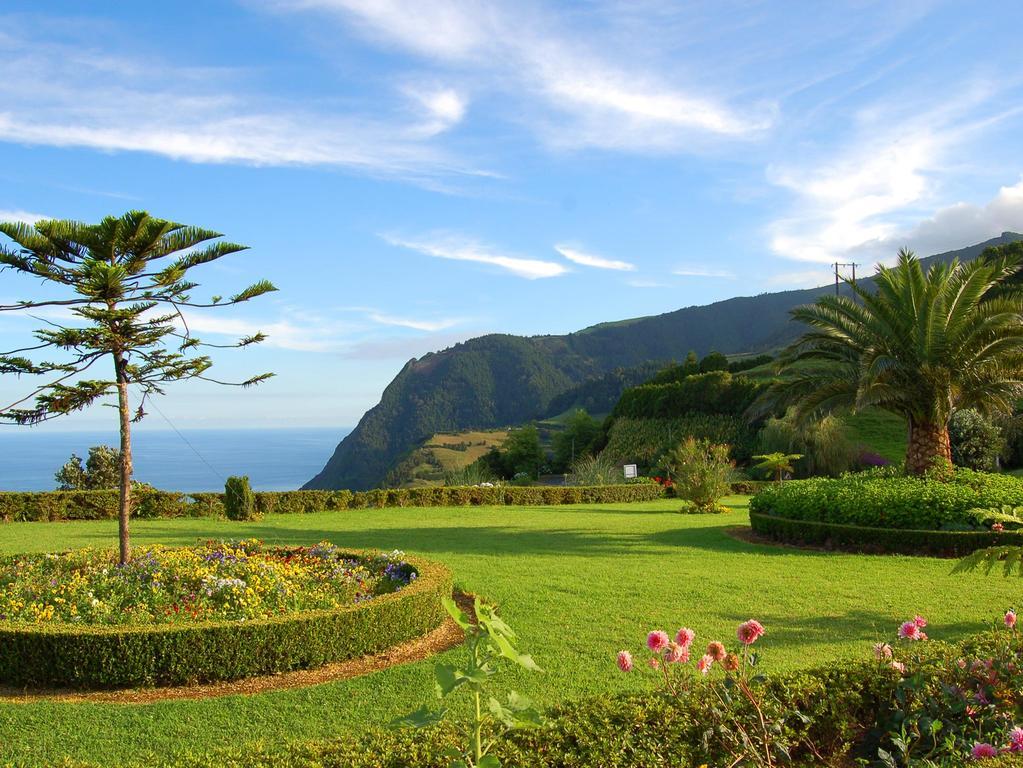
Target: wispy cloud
585 93
66 95
414 323
18 215
698 271
459 248
592 260
865 195
403 347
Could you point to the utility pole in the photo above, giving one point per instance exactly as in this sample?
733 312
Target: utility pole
844 264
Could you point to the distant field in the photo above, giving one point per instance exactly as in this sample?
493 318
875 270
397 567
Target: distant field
458 450
576 582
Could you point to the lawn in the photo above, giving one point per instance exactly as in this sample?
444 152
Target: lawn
578 583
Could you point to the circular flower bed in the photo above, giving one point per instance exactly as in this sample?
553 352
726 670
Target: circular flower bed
218 580
216 611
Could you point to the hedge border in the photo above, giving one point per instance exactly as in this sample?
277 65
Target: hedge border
129 657
50 506
857 538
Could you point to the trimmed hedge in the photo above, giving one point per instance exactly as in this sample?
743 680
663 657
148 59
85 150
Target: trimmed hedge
122 657
874 500
860 538
101 505
841 703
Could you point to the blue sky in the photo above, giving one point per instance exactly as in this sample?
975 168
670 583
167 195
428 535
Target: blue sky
411 174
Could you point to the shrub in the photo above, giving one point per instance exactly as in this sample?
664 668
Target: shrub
239 503
701 472
823 445
101 657
596 470
716 392
20 506
976 441
880 499
859 538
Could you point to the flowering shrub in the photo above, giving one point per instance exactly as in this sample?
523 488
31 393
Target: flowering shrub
745 719
944 714
218 580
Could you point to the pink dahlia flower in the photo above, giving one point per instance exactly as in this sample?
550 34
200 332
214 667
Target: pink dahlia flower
899 667
676 653
1010 619
1016 739
704 663
657 641
624 661
684 637
655 664
982 750
749 631
716 651
882 651
920 621
909 631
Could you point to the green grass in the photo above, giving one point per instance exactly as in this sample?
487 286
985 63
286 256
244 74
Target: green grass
577 583
879 431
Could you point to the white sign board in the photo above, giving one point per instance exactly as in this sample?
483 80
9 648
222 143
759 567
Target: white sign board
630 471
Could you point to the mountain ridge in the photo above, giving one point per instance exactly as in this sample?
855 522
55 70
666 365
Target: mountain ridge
498 380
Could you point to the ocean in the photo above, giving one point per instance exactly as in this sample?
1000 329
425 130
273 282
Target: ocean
194 460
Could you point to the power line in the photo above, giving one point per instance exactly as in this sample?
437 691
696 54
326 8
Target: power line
195 450
838 264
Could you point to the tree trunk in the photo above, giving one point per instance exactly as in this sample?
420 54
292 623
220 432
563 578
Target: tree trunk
124 511
928 446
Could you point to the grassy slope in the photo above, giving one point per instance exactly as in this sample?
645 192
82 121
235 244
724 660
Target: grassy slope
879 431
578 583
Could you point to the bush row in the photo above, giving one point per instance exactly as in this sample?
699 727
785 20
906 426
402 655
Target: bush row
122 657
97 505
841 704
870 539
644 441
717 392
872 500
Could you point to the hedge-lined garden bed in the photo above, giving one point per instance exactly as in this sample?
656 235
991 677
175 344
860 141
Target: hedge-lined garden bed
102 505
877 500
68 654
858 538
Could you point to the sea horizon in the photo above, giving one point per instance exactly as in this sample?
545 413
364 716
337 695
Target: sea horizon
187 460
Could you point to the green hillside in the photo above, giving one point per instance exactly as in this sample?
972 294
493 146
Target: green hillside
496 380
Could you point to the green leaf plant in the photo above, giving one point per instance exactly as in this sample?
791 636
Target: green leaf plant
489 642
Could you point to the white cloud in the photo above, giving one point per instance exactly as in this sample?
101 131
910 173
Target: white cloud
70 96
18 215
698 271
293 331
415 324
444 108
866 197
586 93
592 260
462 249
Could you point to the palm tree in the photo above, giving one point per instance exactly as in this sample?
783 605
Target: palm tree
923 345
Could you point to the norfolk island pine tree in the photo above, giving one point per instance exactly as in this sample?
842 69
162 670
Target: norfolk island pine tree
124 281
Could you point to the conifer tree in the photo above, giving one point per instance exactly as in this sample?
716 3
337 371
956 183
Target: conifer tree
124 282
